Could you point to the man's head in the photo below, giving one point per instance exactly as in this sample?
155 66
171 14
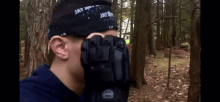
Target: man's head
72 21
67 50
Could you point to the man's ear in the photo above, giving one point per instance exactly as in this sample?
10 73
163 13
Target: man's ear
58 45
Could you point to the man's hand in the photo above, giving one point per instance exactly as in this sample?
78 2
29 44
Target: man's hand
105 60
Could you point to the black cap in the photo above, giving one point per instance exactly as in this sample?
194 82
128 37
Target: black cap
81 17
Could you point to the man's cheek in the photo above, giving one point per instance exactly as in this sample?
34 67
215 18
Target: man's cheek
79 60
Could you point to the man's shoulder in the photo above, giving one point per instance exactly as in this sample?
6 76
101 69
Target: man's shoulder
27 95
33 89
31 92
44 86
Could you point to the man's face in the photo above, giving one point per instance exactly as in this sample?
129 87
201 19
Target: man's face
74 63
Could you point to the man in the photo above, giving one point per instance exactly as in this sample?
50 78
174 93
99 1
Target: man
72 21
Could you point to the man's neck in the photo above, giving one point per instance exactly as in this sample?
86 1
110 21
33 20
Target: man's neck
62 72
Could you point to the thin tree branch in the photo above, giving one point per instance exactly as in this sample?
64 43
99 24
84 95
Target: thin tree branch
154 21
188 12
167 17
193 11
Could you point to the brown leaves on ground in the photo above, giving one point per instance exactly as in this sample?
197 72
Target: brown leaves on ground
156 74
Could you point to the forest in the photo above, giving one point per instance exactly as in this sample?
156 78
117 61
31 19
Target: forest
163 37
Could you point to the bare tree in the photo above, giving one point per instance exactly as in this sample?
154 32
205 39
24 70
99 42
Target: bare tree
166 24
158 27
151 42
38 33
132 21
195 69
180 23
121 20
138 49
169 65
173 22
115 11
162 21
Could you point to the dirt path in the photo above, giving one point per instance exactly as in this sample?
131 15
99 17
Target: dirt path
156 76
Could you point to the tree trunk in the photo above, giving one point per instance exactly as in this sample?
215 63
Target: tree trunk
30 12
180 23
162 22
166 24
173 23
27 54
195 69
29 17
53 3
174 34
121 20
51 55
158 27
38 35
164 31
167 36
132 21
151 41
115 11
184 37
138 56
26 47
133 69
126 28
168 80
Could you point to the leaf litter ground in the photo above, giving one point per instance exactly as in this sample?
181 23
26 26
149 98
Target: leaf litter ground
156 75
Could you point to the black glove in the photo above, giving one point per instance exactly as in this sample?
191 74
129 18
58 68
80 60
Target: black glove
106 68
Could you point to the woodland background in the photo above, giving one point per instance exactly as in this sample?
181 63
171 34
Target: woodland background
163 37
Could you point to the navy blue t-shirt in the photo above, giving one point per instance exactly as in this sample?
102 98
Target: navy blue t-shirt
44 86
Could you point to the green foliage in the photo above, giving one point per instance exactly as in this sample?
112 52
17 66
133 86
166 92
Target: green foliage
127 41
